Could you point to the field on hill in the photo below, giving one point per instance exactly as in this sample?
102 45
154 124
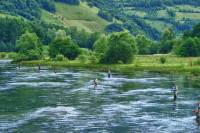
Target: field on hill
154 18
81 16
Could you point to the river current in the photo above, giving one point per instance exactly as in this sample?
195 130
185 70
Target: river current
68 101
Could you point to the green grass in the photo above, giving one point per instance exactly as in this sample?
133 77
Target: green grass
81 16
51 18
162 14
181 15
143 63
159 25
184 7
137 13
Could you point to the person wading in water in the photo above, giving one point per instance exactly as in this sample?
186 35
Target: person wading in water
95 82
39 67
19 64
175 90
109 73
197 111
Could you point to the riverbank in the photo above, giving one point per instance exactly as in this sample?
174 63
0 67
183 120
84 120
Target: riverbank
141 63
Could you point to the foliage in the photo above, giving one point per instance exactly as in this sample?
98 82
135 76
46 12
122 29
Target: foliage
90 4
3 55
197 62
120 62
154 48
163 59
60 34
121 47
143 44
167 43
101 44
64 47
105 15
93 59
189 48
12 55
114 27
168 35
29 47
82 58
59 57
72 2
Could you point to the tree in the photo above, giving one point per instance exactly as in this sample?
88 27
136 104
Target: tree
168 35
93 38
167 41
143 44
196 31
64 47
121 47
101 44
190 47
29 47
60 34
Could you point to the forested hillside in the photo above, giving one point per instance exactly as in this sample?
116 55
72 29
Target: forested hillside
151 16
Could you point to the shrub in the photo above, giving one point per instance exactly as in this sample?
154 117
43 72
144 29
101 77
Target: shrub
163 59
93 59
12 55
120 62
3 55
197 62
82 58
59 57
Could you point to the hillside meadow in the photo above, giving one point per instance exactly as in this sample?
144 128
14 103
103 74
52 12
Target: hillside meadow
81 16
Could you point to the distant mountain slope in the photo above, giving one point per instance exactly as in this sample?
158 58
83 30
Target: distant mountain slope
158 14
81 16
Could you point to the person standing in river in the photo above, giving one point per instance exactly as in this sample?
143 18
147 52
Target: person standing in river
197 111
109 73
95 82
54 70
19 64
175 90
39 67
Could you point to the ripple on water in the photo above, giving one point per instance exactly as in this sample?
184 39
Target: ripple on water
40 84
56 114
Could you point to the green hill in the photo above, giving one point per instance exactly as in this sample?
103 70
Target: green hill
81 16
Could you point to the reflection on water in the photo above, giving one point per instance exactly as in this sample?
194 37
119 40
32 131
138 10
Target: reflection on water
68 101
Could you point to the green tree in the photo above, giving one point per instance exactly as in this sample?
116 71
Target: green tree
64 47
196 31
101 44
29 46
121 47
168 35
167 42
143 44
189 48
60 34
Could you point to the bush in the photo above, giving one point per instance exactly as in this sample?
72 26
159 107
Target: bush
3 55
163 59
93 59
90 4
120 62
19 57
82 58
12 55
59 57
197 62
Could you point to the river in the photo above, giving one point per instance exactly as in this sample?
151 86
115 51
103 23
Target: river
67 101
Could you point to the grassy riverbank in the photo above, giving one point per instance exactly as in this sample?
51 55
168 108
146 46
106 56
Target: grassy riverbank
144 63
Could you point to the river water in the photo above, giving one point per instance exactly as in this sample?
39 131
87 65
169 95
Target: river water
67 101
